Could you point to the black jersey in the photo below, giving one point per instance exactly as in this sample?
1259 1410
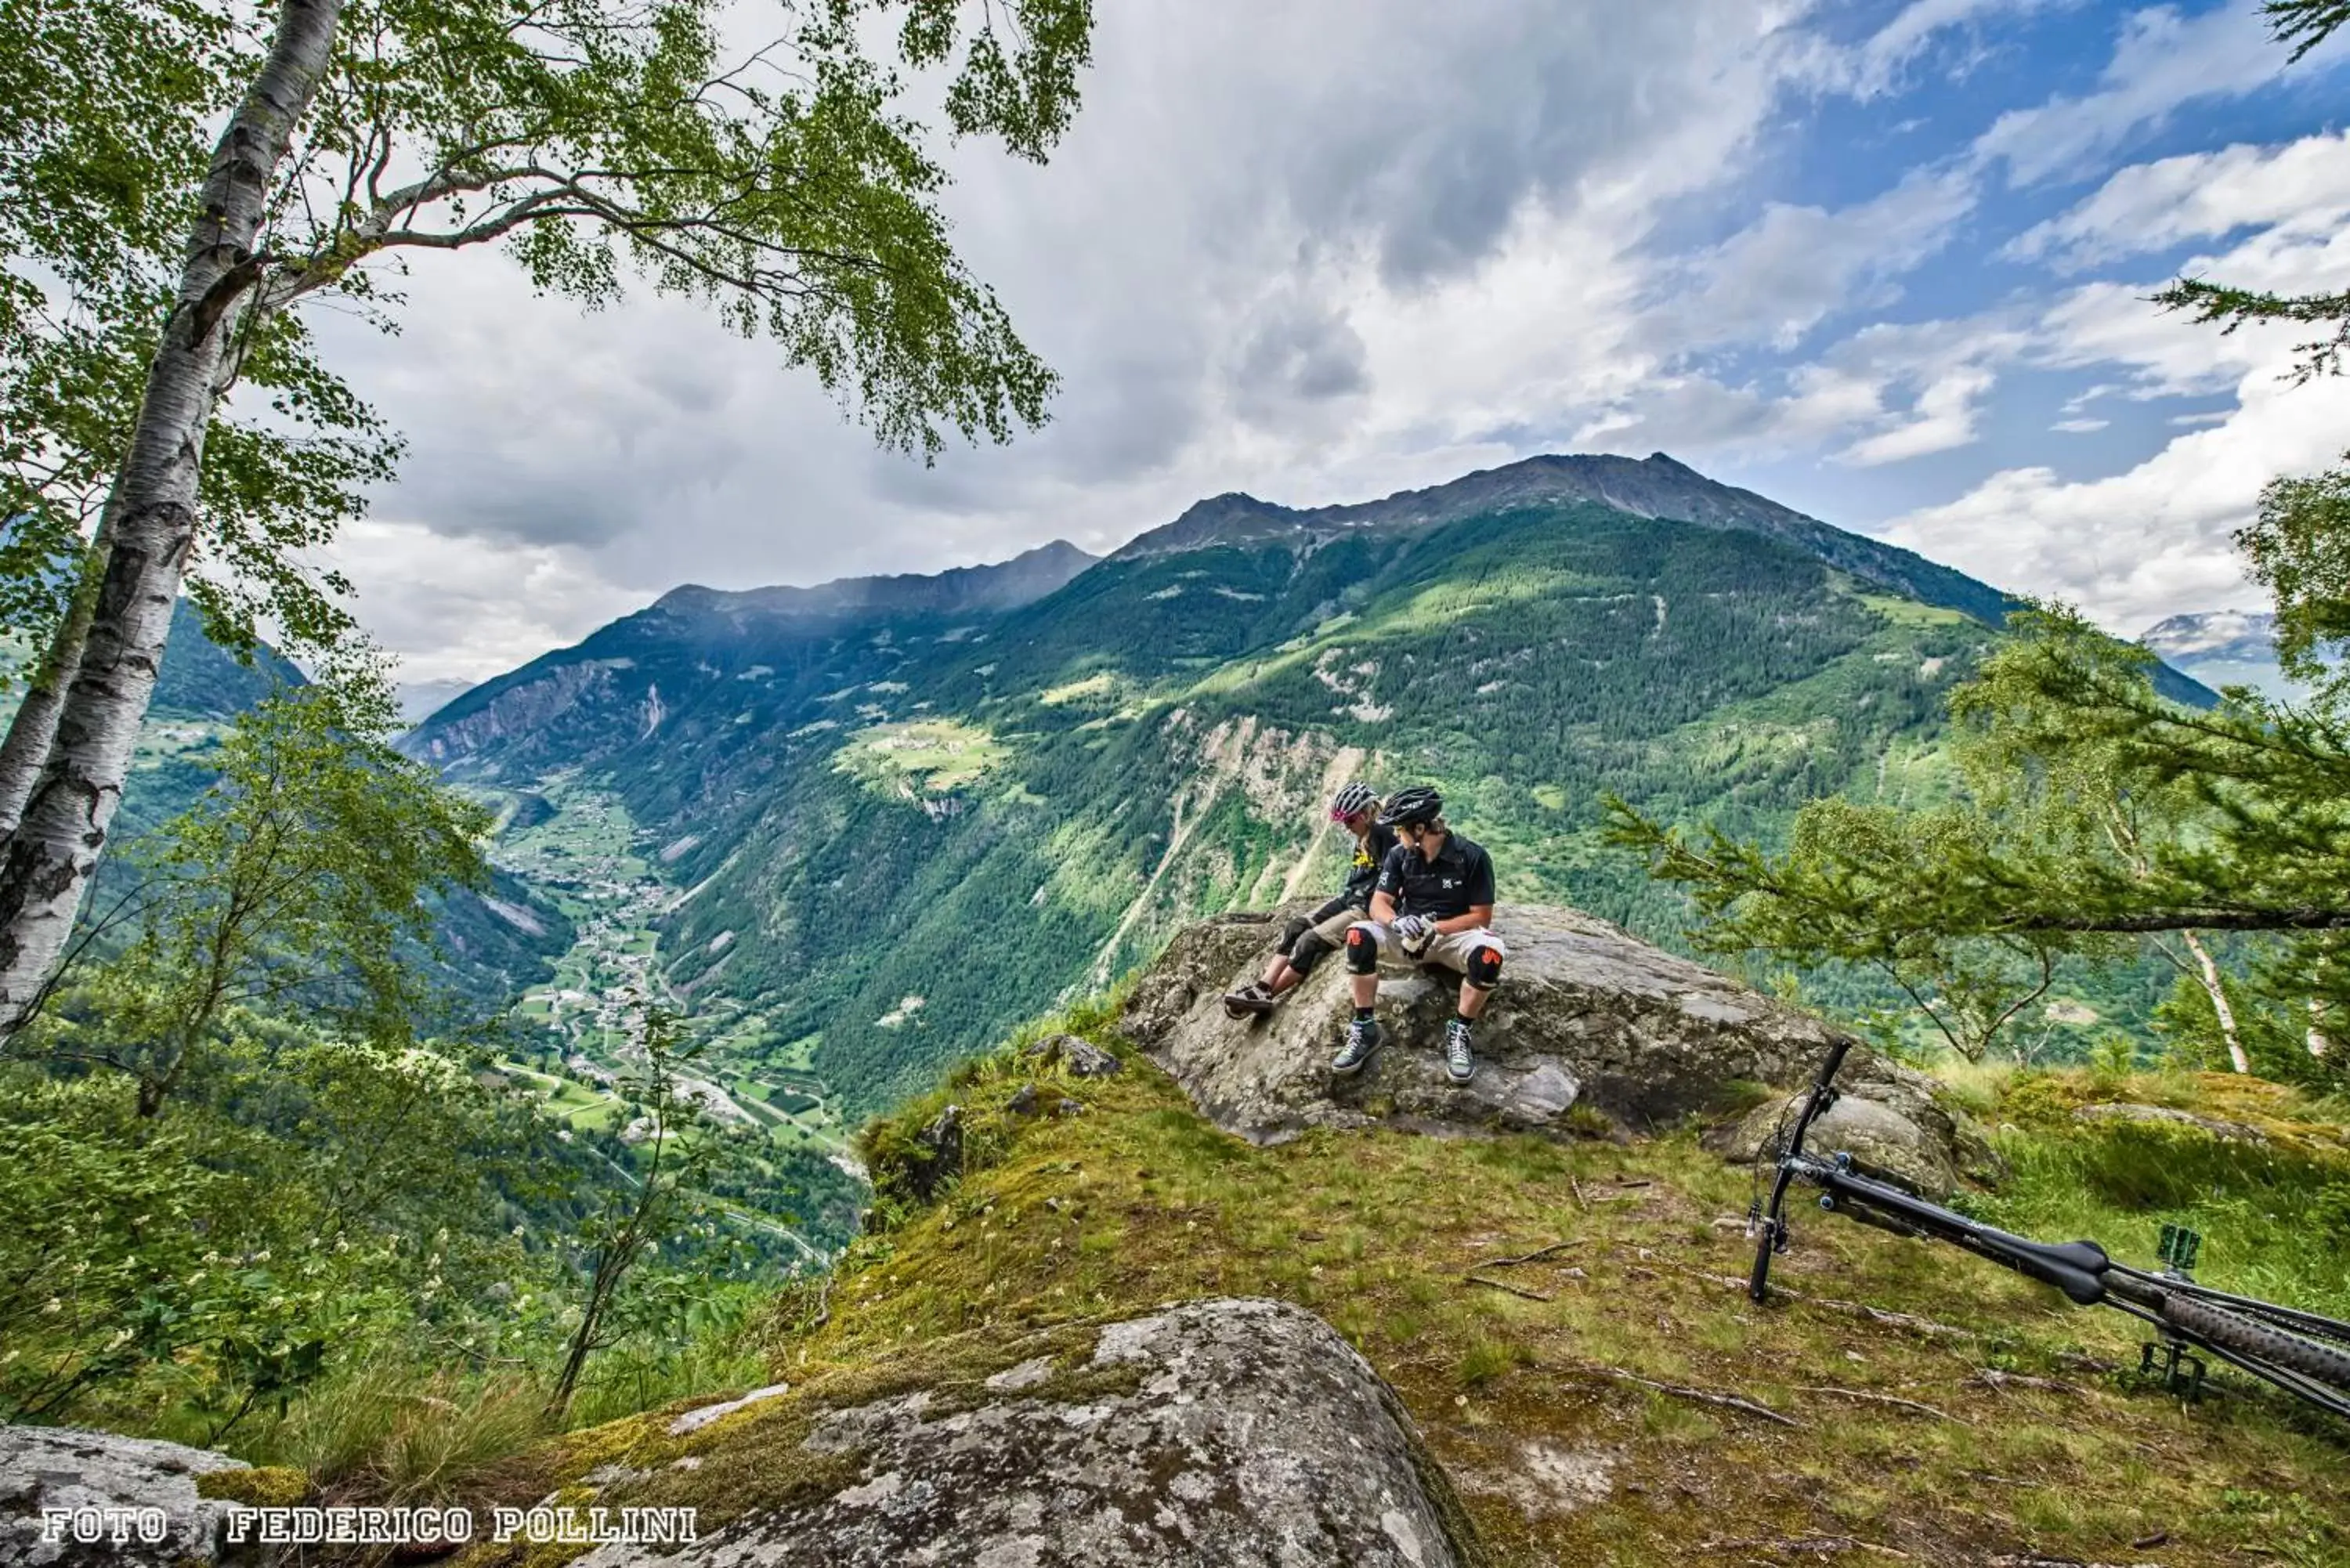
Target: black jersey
1460 878
1371 853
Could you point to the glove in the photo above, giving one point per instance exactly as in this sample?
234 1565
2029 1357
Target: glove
1415 933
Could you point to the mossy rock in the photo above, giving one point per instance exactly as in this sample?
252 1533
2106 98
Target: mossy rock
265 1486
1218 1430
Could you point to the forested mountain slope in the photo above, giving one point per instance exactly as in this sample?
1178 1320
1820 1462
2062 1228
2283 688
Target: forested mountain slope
894 829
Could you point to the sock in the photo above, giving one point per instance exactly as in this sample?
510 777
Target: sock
1466 1022
1363 1015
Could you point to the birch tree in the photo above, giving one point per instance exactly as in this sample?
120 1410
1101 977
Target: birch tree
784 185
103 130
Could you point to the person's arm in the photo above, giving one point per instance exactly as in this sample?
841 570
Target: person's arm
1480 899
1391 882
1337 902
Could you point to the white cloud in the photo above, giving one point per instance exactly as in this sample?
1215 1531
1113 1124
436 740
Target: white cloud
1875 66
2080 427
2155 539
1942 417
1775 279
2112 323
2163 59
1886 393
463 608
2301 187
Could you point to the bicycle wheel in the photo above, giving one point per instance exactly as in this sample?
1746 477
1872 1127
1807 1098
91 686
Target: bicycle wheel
2227 1331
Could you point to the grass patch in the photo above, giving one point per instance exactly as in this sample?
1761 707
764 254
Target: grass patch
925 755
1912 612
1138 1201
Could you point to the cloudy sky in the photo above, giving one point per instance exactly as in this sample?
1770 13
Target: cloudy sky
1885 261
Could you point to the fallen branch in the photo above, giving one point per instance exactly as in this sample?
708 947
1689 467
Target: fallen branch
1505 1286
1823 1546
1990 1378
2003 1480
1576 1188
1922 1326
1702 1395
1536 1256
1897 1403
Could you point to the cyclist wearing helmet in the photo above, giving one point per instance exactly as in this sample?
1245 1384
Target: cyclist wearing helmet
1306 939
1433 903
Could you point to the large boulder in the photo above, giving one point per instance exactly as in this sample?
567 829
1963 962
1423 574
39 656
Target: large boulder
1892 1121
107 1499
1217 1431
1589 1030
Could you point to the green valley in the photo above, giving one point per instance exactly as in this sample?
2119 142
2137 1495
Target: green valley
580 848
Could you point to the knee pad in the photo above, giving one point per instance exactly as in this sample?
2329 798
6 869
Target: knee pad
1484 966
1307 951
1295 928
1362 951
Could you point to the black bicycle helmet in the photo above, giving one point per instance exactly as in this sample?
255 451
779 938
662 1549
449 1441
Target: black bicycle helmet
1350 800
1410 807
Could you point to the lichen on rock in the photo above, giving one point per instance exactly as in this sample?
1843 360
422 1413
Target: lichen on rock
54 1467
1209 1431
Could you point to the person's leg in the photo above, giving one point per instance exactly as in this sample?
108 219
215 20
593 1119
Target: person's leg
1473 1001
1312 945
1281 973
1365 942
1477 955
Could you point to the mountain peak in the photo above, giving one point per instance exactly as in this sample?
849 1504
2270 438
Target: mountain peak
996 585
2248 635
1659 486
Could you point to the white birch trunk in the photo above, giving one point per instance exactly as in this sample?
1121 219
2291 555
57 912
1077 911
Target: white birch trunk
2318 1041
2219 995
57 845
35 727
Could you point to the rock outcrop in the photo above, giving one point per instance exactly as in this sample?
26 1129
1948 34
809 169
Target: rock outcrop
2164 1116
1591 1029
1214 1431
1892 1119
139 1489
1078 1058
1209 1432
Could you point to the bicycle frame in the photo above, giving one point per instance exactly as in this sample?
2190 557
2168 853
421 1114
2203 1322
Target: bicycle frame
2081 1269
